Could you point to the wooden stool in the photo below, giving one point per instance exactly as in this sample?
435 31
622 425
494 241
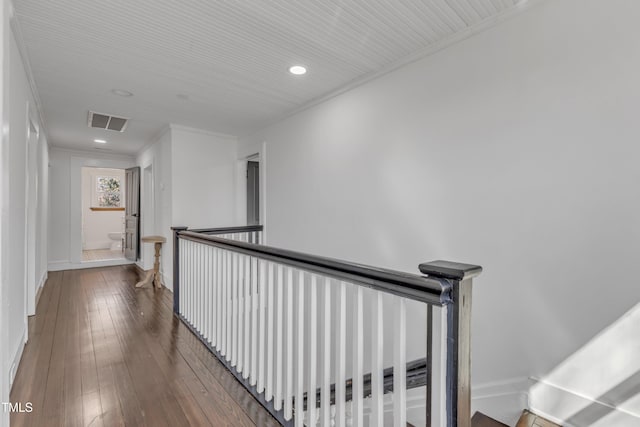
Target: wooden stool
155 273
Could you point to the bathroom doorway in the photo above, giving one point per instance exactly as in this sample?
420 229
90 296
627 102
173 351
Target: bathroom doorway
103 214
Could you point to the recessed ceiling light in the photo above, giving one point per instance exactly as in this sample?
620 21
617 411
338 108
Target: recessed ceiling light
121 92
298 70
100 141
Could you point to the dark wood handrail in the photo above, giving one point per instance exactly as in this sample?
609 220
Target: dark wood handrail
228 230
425 289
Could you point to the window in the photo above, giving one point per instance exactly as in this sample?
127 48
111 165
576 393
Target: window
108 194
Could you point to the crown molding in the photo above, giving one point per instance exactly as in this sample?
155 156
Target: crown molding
202 131
93 154
155 138
16 30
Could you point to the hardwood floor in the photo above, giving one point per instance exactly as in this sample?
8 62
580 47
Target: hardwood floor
103 353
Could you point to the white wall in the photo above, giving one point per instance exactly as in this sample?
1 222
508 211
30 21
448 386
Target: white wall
194 185
5 350
18 98
42 231
158 156
65 221
515 149
203 173
97 224
18 104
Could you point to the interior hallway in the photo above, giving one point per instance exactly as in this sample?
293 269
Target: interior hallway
102 353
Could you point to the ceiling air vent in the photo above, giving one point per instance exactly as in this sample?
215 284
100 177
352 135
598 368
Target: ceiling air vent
105 121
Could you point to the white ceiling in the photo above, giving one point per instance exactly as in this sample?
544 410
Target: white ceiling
229 58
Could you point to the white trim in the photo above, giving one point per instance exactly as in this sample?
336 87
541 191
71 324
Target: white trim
43 280
18 36
66 265
154 139
549 399
167 281
202 131
15 363
95 154
502 400
75 197
148 215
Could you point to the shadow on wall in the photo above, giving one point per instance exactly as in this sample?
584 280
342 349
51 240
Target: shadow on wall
599 385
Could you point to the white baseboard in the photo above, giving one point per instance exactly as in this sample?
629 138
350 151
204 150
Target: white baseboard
16 359
572 409
167 281
43 279
65 265
502 400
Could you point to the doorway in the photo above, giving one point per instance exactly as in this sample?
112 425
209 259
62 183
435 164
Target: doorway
253 192
103 214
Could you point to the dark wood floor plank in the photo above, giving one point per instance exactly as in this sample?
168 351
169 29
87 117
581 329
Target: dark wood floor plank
73 380
103 353
31 377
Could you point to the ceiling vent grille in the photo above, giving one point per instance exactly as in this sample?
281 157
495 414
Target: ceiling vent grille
105 121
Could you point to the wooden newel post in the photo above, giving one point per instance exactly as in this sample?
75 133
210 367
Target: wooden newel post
458 392
176 268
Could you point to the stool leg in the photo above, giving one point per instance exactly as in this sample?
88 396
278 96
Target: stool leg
156 266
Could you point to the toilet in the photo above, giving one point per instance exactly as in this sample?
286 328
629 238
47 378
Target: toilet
116 240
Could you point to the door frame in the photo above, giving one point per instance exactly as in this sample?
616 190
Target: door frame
259 155
75 206
31 211
148 218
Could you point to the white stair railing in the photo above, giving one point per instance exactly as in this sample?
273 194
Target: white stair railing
320 341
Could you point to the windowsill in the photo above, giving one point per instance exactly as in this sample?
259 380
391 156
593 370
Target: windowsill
105 209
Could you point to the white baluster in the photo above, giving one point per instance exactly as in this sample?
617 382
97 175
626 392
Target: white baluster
200 280
288 390
270 333
253 304
184 295
249 273
279 333
242 278
325 396
194 285
400 364
181 275
260 329
196 288
214 296
202 266
313 337
211 306
377 367
218 312
341 355
358 351
224 302
234 309
299 402
190 282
